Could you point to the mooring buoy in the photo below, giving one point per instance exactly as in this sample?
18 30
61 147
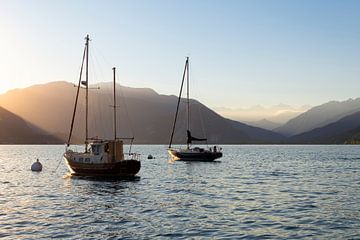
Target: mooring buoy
36 166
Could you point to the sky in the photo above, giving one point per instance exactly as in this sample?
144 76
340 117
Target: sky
242 53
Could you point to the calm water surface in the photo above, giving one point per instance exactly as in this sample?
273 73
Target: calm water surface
273 192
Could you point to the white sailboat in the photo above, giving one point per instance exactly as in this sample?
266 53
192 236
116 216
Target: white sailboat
190 153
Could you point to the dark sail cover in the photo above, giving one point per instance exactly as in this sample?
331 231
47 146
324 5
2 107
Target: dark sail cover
191 138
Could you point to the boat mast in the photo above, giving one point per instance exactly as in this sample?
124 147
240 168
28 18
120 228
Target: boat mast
76 99
187 98
178 102
114 69
87 93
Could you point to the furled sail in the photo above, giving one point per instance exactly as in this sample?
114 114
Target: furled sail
191 138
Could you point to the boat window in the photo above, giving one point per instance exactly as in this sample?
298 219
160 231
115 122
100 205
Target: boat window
81 159
95 149
87 159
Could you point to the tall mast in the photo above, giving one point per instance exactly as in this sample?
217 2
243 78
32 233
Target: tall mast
77 97
114 69
87 93
187 94
178 103
114 157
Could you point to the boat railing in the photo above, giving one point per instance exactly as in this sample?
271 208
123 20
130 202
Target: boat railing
135 156
215 148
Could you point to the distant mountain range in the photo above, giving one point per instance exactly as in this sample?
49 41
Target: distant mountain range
319 116
42 114
142 113
278 114
265 124
346 129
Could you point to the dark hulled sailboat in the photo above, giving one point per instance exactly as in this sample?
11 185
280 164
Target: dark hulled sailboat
190 153
101 157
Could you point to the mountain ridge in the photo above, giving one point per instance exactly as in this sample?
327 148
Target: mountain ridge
148 115
49 106
15 130
338 132
319 116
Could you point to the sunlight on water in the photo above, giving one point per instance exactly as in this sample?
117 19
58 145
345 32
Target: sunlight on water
280 192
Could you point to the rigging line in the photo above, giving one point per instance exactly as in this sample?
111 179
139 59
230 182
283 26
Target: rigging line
60 160
92 100
178 103
97 115
96 61
202 123
105 99
77 97
106 95
108 99
98 99
123 96
99 52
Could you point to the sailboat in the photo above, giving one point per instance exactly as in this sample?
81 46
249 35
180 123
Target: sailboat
190 153
101 157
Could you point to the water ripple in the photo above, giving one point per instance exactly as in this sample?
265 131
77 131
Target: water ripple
254 192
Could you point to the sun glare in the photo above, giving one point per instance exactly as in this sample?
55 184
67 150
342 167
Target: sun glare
4 87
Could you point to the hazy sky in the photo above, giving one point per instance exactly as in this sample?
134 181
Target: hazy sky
242 53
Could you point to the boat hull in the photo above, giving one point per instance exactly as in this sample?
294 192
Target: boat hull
123 168
204 156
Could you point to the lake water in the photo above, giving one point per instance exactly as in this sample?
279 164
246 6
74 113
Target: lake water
254 191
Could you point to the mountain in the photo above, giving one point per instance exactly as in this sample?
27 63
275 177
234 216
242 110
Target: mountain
354 138
319 116
280 113
339 132
14 130
142 113
265 124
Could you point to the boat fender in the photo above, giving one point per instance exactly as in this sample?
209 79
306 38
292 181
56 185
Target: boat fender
36 166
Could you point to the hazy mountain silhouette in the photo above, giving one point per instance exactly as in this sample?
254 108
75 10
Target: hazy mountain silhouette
142 113
265 124
338 132
319 116
14 130
280 113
